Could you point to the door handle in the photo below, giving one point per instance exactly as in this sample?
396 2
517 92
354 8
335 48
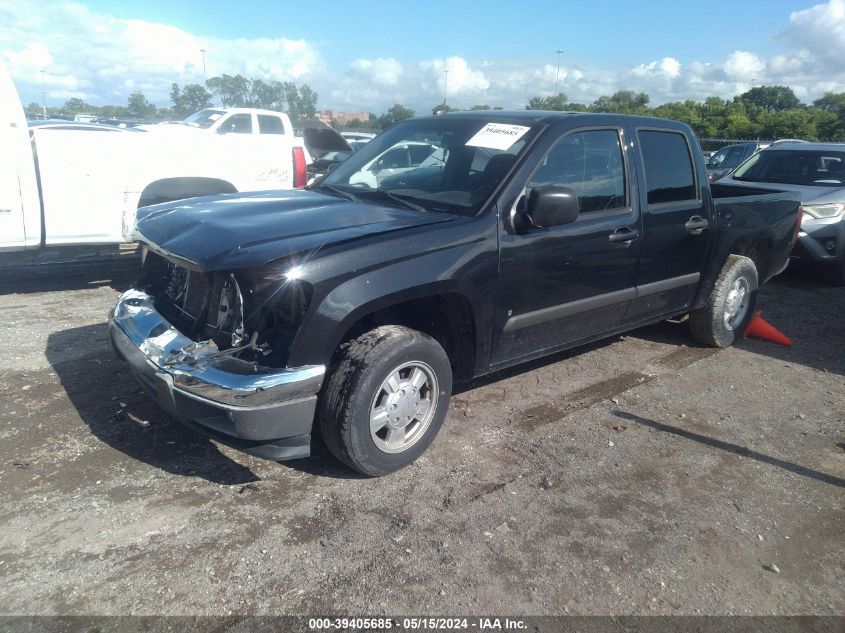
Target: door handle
5 210
623 235
696 225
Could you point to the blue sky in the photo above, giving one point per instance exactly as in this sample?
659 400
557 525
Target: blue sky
376 53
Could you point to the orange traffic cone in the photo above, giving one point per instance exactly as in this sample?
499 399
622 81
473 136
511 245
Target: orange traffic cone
759 328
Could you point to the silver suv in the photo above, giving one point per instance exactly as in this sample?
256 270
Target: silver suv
817 170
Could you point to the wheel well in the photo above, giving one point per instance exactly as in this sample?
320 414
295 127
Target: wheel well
169 189
757 251
446 318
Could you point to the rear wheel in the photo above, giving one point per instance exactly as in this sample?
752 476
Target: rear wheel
385 400
730 305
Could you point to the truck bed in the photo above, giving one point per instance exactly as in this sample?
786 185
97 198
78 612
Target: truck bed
745 213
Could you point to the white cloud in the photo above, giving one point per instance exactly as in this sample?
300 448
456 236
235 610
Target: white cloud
102 58
107 56
668 67
742 65
384 72
461 78
820 30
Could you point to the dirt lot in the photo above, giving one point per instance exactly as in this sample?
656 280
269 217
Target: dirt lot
640 475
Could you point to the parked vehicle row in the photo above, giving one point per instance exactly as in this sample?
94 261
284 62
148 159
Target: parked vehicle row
75 183
349 309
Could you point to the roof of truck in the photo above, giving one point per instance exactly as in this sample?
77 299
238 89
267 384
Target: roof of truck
247 110
549 116
805 146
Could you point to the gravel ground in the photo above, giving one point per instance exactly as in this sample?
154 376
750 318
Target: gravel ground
640 475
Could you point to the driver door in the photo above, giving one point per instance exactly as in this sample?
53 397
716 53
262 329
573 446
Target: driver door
563 284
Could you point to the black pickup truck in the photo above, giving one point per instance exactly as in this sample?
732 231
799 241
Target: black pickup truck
350 308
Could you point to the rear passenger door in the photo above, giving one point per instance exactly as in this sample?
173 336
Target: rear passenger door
676 225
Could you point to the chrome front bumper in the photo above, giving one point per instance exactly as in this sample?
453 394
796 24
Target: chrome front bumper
229 398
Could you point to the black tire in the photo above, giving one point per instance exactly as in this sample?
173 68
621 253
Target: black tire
708 323
355 381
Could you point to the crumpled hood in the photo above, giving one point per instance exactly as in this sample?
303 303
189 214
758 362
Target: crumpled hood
231 231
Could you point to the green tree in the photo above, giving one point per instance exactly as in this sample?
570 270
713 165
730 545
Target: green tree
232 90
556 102
771 98
622 102
307 102
395 114
139 107
192 98
76 105
443 108
832 104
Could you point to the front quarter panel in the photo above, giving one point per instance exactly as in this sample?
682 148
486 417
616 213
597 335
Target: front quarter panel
349 283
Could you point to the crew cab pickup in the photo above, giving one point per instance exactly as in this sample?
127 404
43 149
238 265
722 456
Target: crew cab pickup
349 311
81 183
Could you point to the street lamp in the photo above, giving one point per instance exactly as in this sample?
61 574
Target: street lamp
445 79
204 74
557 74
43 96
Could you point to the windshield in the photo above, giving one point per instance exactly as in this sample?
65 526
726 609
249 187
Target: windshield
727 157
449 165
203 118
795 167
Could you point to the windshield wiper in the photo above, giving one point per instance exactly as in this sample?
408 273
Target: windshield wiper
343 192
396 198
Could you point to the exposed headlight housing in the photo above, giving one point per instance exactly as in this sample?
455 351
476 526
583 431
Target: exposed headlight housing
819 211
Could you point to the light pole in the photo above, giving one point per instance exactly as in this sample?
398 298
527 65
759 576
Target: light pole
43 96
204 74
445 79
557 74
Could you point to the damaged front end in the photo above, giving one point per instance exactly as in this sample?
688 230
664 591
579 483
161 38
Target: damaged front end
212 349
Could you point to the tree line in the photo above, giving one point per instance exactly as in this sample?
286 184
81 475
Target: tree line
764 112
232 91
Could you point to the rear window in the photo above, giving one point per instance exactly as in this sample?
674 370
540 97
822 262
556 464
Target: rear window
269 124
795 167
669 174
727 158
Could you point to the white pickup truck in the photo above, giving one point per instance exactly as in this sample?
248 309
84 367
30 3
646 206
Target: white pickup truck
81 184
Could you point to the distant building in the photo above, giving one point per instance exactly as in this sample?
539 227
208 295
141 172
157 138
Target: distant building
344 118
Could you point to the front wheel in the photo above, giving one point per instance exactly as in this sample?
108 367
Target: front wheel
730 306
385 400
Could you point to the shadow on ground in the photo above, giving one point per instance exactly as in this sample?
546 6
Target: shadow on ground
736 449
119 279
121 415
800 304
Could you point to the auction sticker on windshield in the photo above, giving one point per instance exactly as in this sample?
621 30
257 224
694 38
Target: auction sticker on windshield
497 136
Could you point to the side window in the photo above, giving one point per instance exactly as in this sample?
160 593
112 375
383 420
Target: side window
396 158
269 124
668 167
591 164
419 153
238 124
735 156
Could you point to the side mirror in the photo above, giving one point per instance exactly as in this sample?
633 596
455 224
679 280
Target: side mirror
221 130
552 205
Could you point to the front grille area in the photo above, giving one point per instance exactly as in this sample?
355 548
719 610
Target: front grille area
260 313
201 305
